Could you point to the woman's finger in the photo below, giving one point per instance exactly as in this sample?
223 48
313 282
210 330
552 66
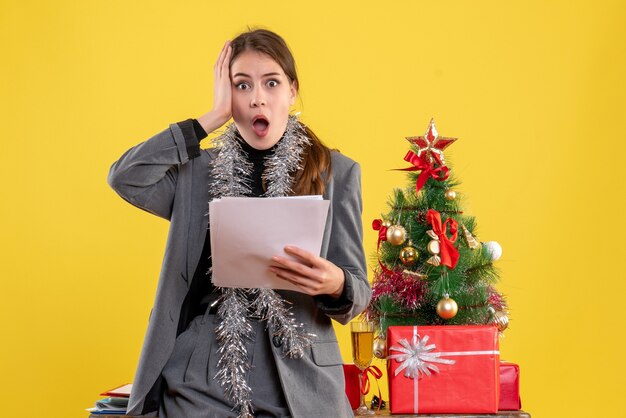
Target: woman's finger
308 257
220 59
217 62
226 62
292 265
307 285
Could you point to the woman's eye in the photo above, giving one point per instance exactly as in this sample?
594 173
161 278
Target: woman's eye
272 83
242 86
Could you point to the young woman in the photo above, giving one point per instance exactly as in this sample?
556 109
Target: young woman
217 352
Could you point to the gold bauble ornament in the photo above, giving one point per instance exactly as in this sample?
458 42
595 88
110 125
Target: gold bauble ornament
408 255
450 194
396 235
380 348
500 320
447 307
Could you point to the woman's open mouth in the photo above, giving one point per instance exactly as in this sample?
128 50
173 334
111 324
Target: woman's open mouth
260 125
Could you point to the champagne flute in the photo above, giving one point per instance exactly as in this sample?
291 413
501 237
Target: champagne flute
362 352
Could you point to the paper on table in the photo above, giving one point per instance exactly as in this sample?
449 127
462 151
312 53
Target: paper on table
123 390
247 231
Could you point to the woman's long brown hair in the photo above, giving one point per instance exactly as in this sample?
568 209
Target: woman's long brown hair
316 157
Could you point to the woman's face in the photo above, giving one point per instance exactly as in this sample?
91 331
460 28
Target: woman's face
262 95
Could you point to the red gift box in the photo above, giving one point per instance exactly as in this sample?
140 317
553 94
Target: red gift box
351 373
443 369
509 387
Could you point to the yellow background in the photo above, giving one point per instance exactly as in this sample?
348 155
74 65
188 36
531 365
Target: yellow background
533 89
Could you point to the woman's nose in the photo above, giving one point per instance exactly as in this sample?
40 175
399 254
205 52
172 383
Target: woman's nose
258 100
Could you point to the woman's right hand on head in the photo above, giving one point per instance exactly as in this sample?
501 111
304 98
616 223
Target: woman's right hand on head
222 95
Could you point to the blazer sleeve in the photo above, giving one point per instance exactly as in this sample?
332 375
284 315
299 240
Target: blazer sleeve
146 174
346 249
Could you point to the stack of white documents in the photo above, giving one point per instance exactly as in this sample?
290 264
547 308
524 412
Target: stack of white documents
247 231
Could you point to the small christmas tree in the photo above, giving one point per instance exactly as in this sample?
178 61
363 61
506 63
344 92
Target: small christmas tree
432 270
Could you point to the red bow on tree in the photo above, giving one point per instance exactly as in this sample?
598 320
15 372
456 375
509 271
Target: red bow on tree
440 173
377 225
449 254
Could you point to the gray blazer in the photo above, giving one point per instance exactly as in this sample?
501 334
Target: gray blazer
159 176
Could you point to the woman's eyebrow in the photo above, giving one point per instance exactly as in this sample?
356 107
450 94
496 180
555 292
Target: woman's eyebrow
246 75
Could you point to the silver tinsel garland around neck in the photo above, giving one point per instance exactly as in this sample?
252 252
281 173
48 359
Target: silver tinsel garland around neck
231 173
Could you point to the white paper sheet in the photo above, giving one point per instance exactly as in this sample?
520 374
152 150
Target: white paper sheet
247 231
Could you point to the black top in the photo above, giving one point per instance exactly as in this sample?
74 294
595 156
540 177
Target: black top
201 291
